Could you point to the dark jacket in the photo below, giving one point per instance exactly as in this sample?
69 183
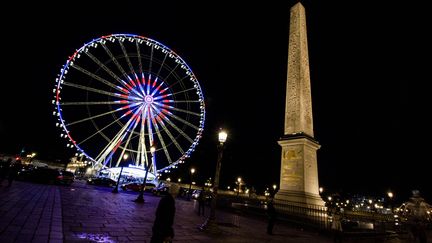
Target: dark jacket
164 220
271 211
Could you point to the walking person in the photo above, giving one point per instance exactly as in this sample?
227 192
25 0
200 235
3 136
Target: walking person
4 170
417 215
13 171
336 225
271 214
163 231
201 202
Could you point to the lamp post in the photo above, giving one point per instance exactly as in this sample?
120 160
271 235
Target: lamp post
210 223
140 198
274 190
390 195
239 181
115 190
192 171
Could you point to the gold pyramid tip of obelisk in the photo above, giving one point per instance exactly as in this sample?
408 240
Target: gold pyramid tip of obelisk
297 6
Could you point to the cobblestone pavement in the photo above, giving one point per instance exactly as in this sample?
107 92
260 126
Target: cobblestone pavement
82 213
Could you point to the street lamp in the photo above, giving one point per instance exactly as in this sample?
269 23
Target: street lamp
239 181
390 195
192 171
210 222
321 189
115 190
31 157
140 198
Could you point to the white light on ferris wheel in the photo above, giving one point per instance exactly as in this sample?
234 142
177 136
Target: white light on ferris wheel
93 126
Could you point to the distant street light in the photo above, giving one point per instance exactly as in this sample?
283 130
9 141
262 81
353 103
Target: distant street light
31 157
321 190
192 171
239 181
210 223
390 195
115 190
140 198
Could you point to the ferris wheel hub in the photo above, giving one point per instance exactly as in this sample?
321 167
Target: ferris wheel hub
148 99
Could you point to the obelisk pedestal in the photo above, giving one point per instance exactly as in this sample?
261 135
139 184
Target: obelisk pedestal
299 172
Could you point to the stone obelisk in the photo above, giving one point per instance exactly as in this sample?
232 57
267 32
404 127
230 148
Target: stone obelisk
299 172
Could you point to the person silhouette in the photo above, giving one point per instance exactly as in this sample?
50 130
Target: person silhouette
5 168
271 214
201 202
417 210
336 225
163 231
13 171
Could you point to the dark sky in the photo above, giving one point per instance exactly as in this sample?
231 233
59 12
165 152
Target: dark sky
368 73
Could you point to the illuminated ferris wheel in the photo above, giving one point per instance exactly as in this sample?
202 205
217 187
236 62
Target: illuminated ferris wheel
125 94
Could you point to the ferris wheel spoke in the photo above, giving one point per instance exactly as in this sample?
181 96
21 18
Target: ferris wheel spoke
178 81
128 86
151 59
163 62
155 82
112 145
138 153
139 57
144 157
111 73
176 109
99 91
179 119
102 80
178 129
101 115
159 120
183 91
161 140
127 142
181 101
172 71
141 81
102 134
127 57
150 136
172 124
119 67
115 102
99 131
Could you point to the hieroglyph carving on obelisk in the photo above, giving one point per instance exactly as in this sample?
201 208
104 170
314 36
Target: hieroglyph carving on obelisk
299 172
298 110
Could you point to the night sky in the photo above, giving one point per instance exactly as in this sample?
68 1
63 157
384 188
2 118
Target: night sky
368 76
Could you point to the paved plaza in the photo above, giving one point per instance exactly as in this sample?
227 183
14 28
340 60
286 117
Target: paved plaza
81 213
